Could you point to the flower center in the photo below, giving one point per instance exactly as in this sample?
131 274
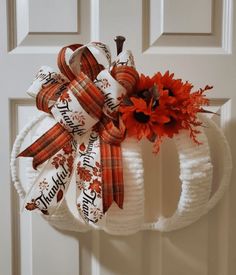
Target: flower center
171 122
144 94
141 117
169 91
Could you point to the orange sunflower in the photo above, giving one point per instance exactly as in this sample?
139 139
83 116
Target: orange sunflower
171 127
144 83
175 87
140 119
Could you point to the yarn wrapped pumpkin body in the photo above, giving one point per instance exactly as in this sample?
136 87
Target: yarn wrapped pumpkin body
195 200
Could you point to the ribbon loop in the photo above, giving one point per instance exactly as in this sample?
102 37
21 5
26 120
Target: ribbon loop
83 60
80 107
80 61
89 96
126 76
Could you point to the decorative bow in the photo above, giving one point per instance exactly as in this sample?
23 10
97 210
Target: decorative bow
83 100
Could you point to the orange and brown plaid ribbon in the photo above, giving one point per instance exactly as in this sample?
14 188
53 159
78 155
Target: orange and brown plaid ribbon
91 98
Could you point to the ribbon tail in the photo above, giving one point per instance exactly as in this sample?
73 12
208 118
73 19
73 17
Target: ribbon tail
51 185
112 175
107 186
89 178
47 145
117 175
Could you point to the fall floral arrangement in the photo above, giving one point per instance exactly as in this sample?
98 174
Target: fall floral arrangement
160 107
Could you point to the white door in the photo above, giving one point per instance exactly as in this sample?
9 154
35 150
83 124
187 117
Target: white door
194 39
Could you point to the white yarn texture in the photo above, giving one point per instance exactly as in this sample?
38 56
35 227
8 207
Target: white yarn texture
195 174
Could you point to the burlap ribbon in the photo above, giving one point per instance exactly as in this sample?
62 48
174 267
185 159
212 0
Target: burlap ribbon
83 100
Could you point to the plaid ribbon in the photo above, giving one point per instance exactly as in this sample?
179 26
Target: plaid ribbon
91 99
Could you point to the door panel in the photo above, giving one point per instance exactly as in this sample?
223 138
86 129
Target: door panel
195 40
187 27
43 26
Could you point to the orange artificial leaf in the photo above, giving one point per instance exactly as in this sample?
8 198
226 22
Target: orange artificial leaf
31 206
